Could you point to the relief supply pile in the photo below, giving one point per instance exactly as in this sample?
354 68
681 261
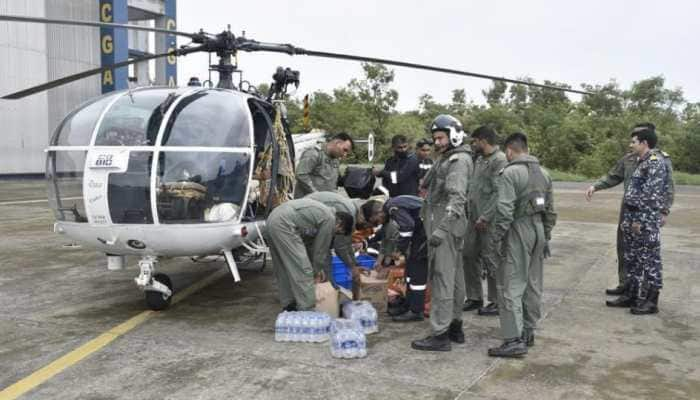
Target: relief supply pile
347 335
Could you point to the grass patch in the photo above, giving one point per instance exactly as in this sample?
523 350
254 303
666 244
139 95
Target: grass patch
560 176
684 178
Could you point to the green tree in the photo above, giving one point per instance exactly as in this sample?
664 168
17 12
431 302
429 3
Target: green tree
375 94
495 95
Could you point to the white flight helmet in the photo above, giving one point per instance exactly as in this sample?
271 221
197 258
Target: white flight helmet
451 126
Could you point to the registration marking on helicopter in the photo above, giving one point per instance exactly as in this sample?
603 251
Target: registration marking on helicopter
42 375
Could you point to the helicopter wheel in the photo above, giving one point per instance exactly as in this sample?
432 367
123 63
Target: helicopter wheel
158 301
264 261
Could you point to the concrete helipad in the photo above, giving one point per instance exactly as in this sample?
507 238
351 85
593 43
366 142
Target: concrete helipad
71 329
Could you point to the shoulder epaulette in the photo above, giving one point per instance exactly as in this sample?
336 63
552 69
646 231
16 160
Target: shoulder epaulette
454 157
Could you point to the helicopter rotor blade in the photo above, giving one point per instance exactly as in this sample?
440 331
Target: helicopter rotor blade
18 18
71 78
251 45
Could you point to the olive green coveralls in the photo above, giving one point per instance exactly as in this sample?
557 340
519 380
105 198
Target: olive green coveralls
481 203
316 172
443 215
299 233
522 227
342 244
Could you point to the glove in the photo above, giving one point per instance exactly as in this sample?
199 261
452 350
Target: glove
547 252
480 225
436 238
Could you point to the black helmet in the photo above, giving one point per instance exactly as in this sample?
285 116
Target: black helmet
451 126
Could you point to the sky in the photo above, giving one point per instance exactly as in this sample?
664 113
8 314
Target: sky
590 41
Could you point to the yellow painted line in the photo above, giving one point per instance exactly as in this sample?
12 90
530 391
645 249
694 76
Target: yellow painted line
44 374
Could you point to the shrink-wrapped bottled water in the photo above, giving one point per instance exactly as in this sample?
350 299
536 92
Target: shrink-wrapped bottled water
364 312
302 326
281 327
347 339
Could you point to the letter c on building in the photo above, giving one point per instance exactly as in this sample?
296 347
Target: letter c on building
106 12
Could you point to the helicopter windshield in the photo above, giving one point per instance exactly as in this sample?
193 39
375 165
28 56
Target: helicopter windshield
135 118
199 173
77 129
209 118
64 172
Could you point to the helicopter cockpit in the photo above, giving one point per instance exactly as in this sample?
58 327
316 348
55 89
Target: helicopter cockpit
156 156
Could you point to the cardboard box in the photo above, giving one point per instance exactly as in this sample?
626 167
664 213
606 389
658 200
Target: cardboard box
373 290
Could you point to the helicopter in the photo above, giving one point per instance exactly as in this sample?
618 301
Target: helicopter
158 172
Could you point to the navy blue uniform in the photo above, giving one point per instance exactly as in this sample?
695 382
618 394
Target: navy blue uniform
423 167
407 172
404 232
644 200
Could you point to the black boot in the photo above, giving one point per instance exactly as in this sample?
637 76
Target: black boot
650 305
408 316
397 307
455 331
627 299
620 289
394 311
510 348
528 337
439 342
489 311
622 301
470 305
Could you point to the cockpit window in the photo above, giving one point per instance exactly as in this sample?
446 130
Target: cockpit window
135 118
211 118
77 129
196 187
129 192
64 171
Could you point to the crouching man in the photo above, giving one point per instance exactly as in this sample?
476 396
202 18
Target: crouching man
300 234
404 234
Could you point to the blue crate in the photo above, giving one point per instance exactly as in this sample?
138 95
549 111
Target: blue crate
341 272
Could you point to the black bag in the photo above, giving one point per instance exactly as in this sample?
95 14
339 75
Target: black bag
359 182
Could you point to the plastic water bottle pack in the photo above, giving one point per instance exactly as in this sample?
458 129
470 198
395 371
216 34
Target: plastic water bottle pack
348 339
302 326
364 313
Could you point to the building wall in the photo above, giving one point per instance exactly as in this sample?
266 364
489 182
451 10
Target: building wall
71 50
31 54
23 63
